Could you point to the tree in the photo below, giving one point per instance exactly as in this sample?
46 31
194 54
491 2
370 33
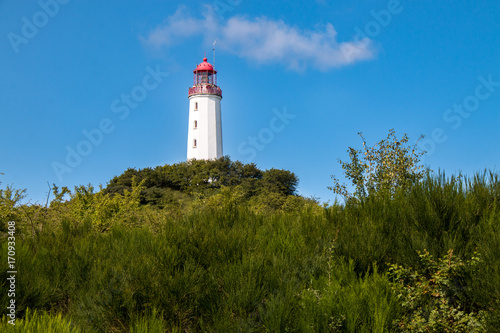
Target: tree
387 166
168 184
280 181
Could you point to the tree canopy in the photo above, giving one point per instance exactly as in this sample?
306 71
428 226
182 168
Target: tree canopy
168 184
385 167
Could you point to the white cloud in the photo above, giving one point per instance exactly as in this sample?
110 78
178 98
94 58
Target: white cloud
263 40
180 26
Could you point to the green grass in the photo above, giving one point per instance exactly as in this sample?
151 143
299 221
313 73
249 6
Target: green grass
35 322
231 269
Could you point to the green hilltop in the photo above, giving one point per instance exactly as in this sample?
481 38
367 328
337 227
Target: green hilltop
222 246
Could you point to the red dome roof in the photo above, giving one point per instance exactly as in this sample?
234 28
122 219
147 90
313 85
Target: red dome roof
205 66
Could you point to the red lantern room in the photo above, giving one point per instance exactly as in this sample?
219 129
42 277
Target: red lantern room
205 80
205 74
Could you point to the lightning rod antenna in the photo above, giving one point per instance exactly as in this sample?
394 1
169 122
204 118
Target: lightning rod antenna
215 42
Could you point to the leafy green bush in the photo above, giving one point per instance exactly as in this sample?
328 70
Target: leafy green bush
434 298
197 181
10 199
384 168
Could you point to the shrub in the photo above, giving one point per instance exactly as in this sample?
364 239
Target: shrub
432 298
383 168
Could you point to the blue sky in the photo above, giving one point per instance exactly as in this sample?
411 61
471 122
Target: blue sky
329 69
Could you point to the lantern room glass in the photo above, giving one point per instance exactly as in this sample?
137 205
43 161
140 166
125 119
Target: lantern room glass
205 77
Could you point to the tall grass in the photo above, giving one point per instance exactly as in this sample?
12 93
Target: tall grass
35 322
230 269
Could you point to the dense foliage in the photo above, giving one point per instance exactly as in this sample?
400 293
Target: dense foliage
382 169
181 185
110 262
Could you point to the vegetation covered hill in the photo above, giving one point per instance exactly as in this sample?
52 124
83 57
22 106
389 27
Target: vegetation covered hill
180 185
225 247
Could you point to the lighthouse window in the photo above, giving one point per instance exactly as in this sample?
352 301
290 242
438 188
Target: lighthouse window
195 126
204 78
195 106
194 143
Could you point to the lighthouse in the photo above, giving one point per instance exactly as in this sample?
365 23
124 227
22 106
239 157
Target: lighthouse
205 125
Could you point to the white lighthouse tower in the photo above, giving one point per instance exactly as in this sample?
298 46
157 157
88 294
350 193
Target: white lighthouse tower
205 125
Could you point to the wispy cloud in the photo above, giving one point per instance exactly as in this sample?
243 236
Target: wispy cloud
264 40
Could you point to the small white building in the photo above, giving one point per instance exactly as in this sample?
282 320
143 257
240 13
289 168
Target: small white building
205 124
